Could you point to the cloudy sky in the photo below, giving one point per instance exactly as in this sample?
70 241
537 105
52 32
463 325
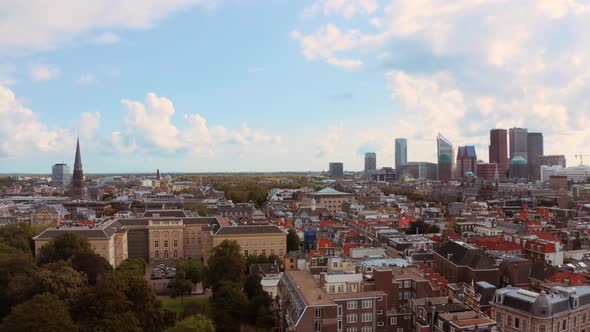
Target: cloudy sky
267 85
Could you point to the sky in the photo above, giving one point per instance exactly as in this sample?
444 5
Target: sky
284 85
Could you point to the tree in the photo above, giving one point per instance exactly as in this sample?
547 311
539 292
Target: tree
451 225
144 304
91 264
181 286
293 240
194 323
44 312
226 264
193 268
18 236
109 212
59 279
264 319
275 259
252 286
262 259
228 301
16 269
63 247
132 265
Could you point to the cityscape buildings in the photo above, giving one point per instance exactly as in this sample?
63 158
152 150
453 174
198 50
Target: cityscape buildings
370 162
444 150
518 143
60 176
401 152
535 150
336 169
498 150
552 160
466 161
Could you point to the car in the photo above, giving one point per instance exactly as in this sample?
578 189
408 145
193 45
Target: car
170 275
161 266
156 276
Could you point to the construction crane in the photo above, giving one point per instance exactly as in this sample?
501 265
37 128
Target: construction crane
581 156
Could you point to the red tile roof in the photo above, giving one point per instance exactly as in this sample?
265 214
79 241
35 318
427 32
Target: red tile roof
575 279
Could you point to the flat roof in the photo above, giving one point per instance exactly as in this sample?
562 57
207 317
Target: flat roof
308 288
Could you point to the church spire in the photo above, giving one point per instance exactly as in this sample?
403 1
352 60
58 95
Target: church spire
78 160
78 190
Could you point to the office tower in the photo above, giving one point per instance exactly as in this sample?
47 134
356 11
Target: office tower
534 151
370 161
552 160
518 142
336 170
401 152
499 150
60 175
466 161
78 190
445 160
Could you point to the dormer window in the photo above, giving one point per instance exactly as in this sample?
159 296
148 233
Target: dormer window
576 302
499 298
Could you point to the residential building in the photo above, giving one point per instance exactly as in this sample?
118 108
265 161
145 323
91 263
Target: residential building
462 262
464 321
561 309
336 169
45 215
518 142
370 162
534 151
401 152
330 199
498 150
254 239
60 176
445 158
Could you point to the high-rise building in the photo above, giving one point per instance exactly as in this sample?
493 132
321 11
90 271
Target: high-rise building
60 175
401 152
445 158
78 188
466 161
552 160
499 150
336 169
370 161
534 151
518 168
519 142
488 171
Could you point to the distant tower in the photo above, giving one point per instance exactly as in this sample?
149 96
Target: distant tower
158 175
370 162
445 158
499 150
401 152
78 178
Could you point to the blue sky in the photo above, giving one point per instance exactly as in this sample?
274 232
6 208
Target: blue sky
244 85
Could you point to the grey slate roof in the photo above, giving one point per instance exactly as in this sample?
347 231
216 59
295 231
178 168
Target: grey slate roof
249 229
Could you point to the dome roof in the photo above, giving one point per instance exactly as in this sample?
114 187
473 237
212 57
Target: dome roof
444 157
518 160
542 306
469 173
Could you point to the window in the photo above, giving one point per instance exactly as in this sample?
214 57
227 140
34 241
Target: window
367 329
499 317
340 288
264 252
525 325
542 328
166 254
255 252
272 243
272 251
380 324
351 305
175 253
187 240
104 247
348 288
367 317
166 243
246 253
339 311
351 318
246 243
393 321
351 329
255 242
156 244
263 242
318 313
318 325
156 234
175 243
379 312
564 324
332 288
339 323
94 247
380 298
509 320
576 302
281 252
366 304
407 283
516 322
157 255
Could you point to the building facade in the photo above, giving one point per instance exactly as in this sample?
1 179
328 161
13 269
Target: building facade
336 169
401 152
535 150
466 161
330 199
552 160
499 150
370 162
518 168
60 176
489 171
445 158
518 142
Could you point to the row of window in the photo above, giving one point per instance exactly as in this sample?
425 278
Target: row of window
104 247
166 233
365 317
254 243
166 255
349 288
365 304
157 243
262 252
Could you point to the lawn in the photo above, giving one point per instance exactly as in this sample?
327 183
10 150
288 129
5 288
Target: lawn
176 306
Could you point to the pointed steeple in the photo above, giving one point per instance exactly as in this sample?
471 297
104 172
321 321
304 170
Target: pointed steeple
78 160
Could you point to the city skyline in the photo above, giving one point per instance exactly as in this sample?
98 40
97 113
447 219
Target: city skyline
172 86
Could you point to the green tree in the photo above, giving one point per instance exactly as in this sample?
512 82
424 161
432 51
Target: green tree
44 312
198 323
226 264
132 265
59 279
228 301
16 269
293 240
91 264
63 247
109 212
18 236
275 259
264 319
451 225
262 259
144 304
181 286
252 285
193 268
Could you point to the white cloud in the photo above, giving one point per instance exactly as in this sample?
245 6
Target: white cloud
86 79
484 67
151 125
107 38
44 72
23 133
40 24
